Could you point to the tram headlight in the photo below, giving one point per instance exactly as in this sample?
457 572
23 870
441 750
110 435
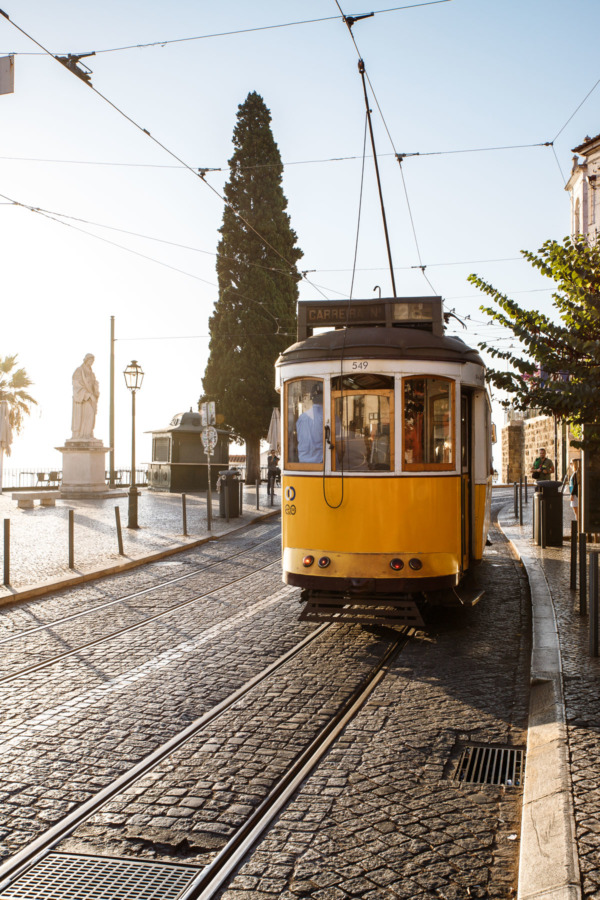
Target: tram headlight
415 564
308 561
324 562
396 565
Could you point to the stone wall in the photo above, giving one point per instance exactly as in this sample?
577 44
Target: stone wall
521 441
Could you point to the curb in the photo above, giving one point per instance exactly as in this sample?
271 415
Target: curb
548 861
57 584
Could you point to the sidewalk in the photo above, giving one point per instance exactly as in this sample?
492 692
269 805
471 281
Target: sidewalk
39 537
560 839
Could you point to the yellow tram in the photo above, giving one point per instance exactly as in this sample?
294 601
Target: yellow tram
386 479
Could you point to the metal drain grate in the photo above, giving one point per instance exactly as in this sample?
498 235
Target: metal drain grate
481 764
66 876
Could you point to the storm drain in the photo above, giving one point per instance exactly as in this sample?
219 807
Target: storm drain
60 876
481 764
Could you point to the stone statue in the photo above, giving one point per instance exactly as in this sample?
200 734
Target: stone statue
85 401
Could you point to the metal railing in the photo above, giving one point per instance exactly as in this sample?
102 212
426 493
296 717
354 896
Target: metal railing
42 478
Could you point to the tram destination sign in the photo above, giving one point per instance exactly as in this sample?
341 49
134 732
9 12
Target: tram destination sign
423 312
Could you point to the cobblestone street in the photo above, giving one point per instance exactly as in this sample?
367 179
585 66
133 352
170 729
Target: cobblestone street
380 817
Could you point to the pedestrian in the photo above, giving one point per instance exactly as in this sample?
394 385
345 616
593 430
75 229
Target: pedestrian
574 488
273 471
542 466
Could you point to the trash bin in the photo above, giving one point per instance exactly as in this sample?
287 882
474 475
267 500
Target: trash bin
229 494
549 494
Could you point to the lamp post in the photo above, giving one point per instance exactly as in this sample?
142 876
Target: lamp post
133 379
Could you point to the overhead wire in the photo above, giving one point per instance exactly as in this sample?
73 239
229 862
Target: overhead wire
202 37
350 21
296 162
145 131
56 218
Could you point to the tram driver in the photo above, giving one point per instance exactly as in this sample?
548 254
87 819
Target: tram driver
309 429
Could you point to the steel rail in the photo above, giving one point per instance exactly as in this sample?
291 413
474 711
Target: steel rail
114 601
36 667
28 856
223 866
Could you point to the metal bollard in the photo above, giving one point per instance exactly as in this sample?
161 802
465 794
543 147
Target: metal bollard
119 530
573 556
184 513
258 493
226 489
241 497
7 551
71 539
516 499
594 602
521 502
535 516
542 506
526 500
582 574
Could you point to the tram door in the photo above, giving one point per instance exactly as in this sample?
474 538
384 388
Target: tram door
465 477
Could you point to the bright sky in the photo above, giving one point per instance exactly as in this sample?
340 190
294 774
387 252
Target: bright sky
460 75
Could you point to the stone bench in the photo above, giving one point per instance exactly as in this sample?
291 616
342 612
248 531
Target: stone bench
25 499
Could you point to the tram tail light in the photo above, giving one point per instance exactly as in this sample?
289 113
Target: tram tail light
308 561
396 565
415 564
324 562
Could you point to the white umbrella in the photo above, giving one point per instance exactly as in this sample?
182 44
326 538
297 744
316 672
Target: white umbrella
5 434
274 435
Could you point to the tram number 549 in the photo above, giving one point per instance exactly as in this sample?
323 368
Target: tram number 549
364 364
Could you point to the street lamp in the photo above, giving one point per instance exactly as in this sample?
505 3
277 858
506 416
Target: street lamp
133 379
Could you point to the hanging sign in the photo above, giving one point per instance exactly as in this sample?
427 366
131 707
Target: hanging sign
7 75
209 439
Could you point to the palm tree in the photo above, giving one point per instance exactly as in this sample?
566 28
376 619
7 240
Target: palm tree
12 389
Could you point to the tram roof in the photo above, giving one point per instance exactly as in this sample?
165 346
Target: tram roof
380 343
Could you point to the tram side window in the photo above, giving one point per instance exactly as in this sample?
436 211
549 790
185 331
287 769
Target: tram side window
304 423
428 428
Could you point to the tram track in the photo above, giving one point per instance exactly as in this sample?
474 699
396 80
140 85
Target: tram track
135 594
207 880
36 667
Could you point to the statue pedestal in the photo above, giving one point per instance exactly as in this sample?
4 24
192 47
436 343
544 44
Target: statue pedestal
83 470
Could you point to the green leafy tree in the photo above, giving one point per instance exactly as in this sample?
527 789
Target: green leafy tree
255 314
558 371
13 384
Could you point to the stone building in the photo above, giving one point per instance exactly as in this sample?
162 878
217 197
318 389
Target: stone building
584 189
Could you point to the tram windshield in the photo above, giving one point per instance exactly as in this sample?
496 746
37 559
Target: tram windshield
363 413
304 423
428 428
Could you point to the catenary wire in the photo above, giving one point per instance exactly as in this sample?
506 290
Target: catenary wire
296 162
202 37
145 131
589 93
350 23
55 218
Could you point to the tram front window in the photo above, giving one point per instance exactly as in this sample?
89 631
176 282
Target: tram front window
304 424
362 411
428 429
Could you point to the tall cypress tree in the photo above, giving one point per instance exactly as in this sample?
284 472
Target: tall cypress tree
255 314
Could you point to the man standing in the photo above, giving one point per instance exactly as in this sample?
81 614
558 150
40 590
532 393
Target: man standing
543 467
